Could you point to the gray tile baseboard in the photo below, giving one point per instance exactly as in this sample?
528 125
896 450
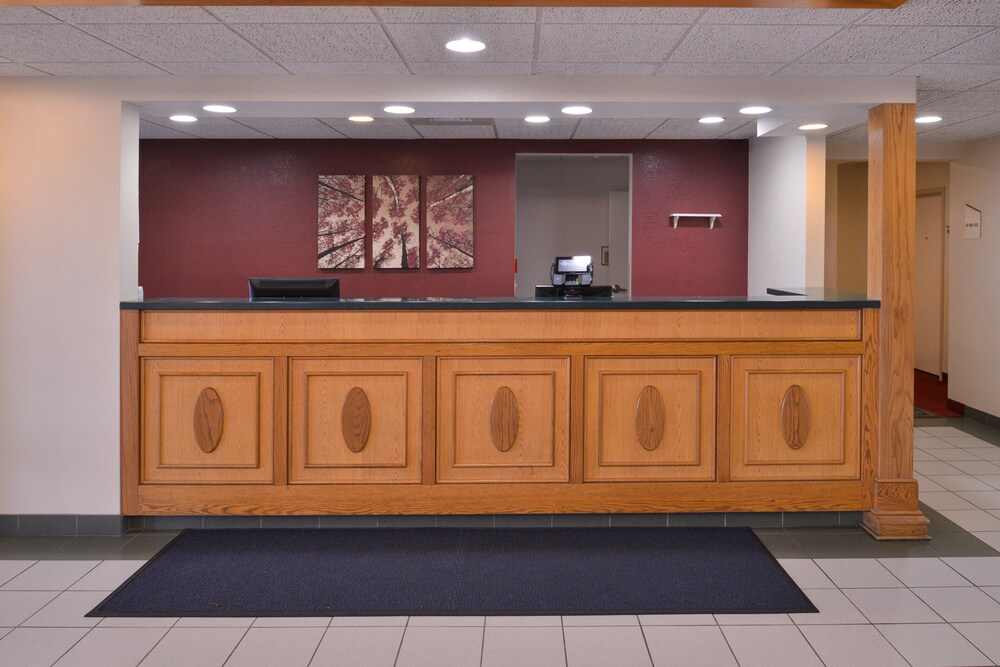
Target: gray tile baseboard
112 524
982 417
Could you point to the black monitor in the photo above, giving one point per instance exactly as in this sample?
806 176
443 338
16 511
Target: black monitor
294 288
573 291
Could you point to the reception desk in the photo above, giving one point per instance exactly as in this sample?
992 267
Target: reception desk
436 406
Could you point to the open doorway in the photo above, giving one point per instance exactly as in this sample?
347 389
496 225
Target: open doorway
573 204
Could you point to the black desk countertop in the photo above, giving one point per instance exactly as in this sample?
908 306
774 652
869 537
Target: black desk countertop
780 299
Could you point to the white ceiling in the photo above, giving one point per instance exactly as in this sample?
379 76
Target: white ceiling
952 47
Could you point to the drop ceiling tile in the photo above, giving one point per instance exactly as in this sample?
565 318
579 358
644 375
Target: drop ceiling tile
17 69
947 118
300 42
99 69
293 14
219 128
938 12
516 128
263 68
619 15
762 44
381 128
970 100
719 69
456 131
292 128
25 15
888 44
690 128
782 16
984 50
853 136
471 69
972 130
574 43
457 14
424 42
928 96
745 131
346 69
55 43
616 128
151 130
596 69
194 42
81 15
951 77
839 69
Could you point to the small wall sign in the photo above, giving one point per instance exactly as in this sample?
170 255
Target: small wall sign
973 222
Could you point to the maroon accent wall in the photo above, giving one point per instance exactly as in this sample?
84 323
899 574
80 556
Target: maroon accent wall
213 212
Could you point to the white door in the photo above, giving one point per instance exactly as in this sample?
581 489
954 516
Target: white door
928 283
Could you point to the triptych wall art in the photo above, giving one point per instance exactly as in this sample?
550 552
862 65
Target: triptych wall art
395 216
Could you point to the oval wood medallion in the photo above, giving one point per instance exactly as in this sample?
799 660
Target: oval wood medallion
650 417
795 416
356 419
504 418
208 419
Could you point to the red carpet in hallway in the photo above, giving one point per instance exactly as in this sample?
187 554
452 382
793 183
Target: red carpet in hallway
931 394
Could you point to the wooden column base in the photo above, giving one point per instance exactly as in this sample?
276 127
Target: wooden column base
896 515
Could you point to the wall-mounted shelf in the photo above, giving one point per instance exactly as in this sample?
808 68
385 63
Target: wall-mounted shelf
712 217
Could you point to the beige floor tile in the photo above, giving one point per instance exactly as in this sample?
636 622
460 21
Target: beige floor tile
50 575
925 484
605 621
291 622
358 647
194 647
959 483
112 647
929 468
938 645
753 619
981 571
852 646
138 622
107 576
858 573
523 621
67 611
441 647
946 500
770 647
944 431
991 538
622 646
369 621
973 520
17 606
11 568
979 467
991 482
447 621
834 608
805 573
960 605
950 455
892 605
677 619
266 647
523 647
4 632
985 636
923 572
969 442
215 622
27 647
688 646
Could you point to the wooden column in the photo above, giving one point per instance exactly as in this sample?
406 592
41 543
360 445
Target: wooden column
895 512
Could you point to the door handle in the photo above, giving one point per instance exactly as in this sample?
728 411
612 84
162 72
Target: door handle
615 289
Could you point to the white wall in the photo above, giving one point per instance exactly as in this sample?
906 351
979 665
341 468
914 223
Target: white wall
787 233
974 286
61 267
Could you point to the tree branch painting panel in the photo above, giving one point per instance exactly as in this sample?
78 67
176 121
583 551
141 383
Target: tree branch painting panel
396 222
449 222
341 222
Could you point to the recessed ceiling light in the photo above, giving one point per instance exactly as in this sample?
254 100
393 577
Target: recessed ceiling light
576 110
711 120
219 108
928 119
755 110
536 119
361 119
398 109
465 45
814 126
183 118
